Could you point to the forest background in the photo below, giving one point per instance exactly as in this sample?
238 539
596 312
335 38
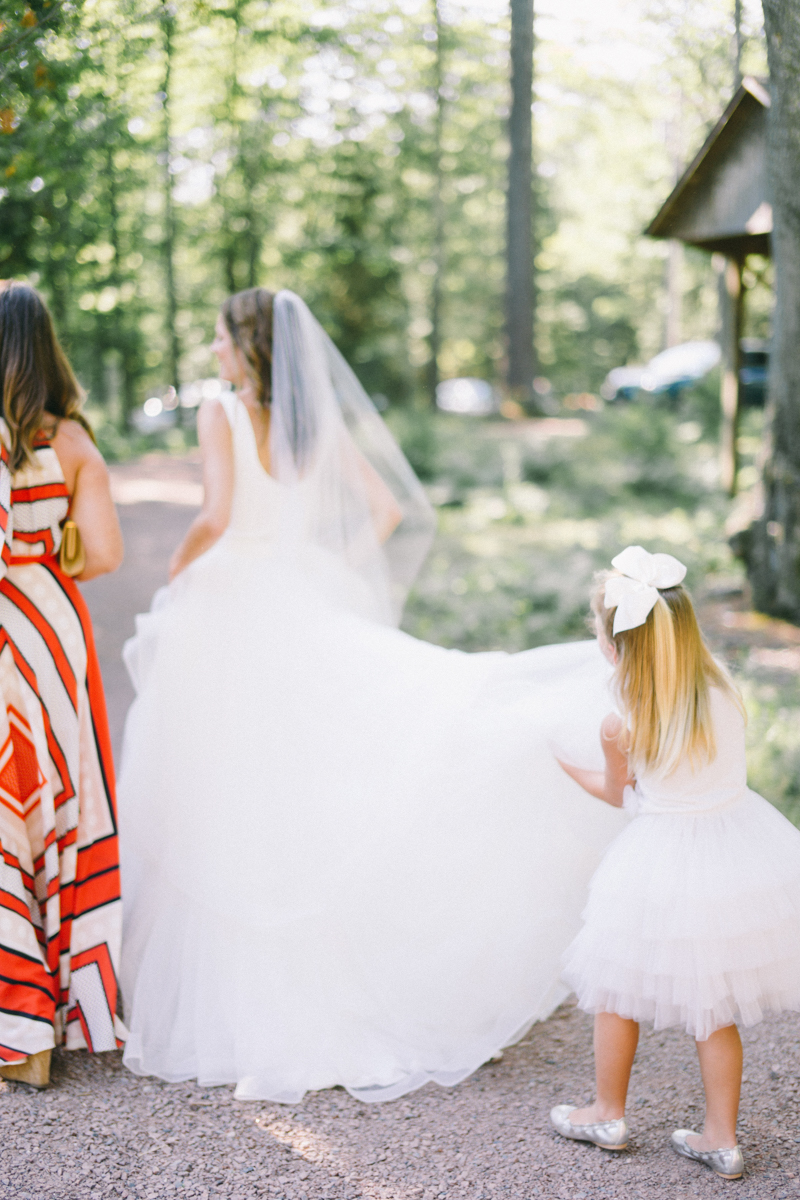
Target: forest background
156 156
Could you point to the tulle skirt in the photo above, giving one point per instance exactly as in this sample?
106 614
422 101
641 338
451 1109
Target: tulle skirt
349 857
694 920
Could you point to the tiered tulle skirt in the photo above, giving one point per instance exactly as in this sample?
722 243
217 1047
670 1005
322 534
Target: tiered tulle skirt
694 920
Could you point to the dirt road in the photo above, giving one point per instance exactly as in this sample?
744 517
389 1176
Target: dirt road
100 1132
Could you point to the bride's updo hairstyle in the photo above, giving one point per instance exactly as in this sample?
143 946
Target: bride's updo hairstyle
248 316
663 677
35 375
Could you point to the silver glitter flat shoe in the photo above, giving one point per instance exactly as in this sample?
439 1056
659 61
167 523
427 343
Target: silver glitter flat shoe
608 1135
728 1164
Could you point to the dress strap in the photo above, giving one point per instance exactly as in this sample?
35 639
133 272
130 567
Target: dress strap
42 439
230 403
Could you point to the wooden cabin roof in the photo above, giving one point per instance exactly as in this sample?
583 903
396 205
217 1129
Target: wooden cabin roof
720 203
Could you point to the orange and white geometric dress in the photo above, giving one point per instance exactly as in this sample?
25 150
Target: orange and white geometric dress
60 906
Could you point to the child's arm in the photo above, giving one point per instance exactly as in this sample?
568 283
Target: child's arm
610 784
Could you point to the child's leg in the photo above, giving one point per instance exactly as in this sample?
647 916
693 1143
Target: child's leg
721 1068
615 1041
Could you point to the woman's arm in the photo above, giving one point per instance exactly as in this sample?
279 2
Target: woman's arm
610 784
216 443
91 507
386 512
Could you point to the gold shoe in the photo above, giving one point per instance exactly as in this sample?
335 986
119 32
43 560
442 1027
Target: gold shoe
35 1070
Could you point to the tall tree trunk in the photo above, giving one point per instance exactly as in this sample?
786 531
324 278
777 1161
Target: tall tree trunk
253 233
168 243
519 247
115 279
435 336
673 324
731 306
738 42
226 185
774 552
673 271
242 237
254 239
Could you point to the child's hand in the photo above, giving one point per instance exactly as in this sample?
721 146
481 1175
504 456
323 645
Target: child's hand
610 784
592 782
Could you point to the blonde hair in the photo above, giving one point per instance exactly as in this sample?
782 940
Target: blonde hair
664 674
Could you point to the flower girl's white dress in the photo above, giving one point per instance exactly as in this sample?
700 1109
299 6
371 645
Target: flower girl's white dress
693 916
349 857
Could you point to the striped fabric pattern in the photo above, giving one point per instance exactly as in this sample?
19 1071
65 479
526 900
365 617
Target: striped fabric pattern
60 906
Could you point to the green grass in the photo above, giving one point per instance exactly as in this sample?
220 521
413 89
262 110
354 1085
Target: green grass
523 525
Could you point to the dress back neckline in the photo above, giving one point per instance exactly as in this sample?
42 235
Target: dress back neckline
241 405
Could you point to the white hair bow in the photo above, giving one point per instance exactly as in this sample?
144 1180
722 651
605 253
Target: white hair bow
635 590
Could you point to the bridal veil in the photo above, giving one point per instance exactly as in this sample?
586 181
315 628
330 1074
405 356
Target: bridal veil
327 435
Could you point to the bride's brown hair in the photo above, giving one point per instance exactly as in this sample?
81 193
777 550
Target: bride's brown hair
248 316
35 375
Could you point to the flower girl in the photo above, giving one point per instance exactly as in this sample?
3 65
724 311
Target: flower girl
693 916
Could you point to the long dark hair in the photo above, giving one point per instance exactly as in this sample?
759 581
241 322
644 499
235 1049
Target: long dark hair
248 316
35 375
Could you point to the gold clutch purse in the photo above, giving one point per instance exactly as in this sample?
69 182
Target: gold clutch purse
72 556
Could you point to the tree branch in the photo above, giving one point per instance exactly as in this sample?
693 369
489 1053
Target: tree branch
34 32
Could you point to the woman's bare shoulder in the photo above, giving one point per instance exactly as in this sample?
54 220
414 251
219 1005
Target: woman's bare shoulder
71 439
213 425
78 455
212 409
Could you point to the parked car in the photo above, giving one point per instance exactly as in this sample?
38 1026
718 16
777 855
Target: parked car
753 372
468 397
670 371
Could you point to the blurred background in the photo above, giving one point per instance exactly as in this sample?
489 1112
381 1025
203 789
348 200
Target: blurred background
155 157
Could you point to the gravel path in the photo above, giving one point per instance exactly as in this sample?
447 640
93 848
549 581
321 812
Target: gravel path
101 1132
157 498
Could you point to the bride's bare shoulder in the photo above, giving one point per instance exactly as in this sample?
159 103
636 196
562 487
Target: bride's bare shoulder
212 417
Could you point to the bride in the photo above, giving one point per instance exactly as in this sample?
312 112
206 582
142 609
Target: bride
349 857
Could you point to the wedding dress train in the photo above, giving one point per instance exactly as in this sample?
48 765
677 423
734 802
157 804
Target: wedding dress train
349 857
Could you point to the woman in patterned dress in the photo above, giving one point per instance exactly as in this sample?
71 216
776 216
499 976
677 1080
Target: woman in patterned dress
60 908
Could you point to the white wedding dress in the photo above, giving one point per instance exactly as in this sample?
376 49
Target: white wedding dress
349 857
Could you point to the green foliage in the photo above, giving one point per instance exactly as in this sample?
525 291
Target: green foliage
588 326
420 435
154 157
120 445
773 738
29 72
525 520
